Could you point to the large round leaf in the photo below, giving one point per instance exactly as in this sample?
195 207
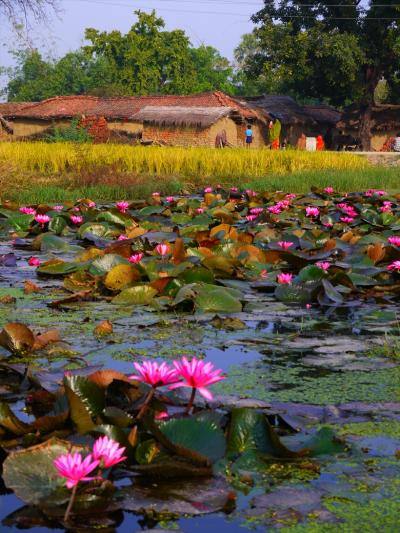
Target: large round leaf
103 265
121 276
86 402
211 298
31 473
205 438
139 295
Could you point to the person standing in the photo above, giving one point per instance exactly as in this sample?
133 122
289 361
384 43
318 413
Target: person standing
249 136
396 144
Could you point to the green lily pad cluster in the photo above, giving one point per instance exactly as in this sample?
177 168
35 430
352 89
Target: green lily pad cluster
184 253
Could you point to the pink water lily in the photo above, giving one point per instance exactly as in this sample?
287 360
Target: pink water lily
394 266
155 375
122 237
155 194
328 190
324 265
290 196
58 208
378 192
274 209
91 204
284 279
122 206
27 210
283 204
312 212
76 219
200 210
197 375
108 452
170 199
42 219
75 469
347 220
234 189
264 274
162 249
208 189
250 218
76 209
256 211
394 240
136 258
33 262
285 245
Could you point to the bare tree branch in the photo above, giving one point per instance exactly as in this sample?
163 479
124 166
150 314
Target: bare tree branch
15 10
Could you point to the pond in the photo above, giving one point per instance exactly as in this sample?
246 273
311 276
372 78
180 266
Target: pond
295 298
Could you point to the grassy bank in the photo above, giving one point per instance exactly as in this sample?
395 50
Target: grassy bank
26 187
51 159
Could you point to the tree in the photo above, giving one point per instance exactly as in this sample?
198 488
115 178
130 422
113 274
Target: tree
335 50
213 72
147 59
15 9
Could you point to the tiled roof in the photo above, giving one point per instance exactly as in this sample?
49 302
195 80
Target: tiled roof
124 108
7 108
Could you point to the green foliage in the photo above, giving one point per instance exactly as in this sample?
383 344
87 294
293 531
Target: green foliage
73 133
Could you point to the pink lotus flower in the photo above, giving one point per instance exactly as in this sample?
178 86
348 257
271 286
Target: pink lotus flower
264 273
108 452
33 262
76 219
27 210
284 279
42 219
275 209
256 211
328 190
394 266
136 258
283 204
285 245
347 220
308 306
312 211
162 249
154 374
122 238
394 240
324 265
155 194
58 208
197 375
386 208
234 189
122 206
250 218
76 209
251 193
327 224
290 196
161 416
200 210
170 199
208 189
378 192
74 469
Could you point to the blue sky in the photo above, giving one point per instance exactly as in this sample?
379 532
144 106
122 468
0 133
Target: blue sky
218 23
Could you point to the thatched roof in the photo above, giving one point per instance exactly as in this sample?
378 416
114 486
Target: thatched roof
384 118
284 108
198 117
323 114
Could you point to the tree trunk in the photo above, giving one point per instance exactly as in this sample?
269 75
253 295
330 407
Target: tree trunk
371 81
365 127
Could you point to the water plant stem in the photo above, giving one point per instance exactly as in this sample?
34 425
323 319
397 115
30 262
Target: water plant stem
191 400
70 503
145 404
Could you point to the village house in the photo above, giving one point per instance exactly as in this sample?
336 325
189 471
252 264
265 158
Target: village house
385 125
191 120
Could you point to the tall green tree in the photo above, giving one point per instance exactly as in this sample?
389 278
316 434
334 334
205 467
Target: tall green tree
213 71
335 50
147 59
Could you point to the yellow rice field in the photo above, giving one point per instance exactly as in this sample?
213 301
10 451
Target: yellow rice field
55 158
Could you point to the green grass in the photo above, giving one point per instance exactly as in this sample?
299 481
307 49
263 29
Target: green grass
30 188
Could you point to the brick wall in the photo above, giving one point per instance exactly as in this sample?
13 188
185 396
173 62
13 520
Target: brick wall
178 136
